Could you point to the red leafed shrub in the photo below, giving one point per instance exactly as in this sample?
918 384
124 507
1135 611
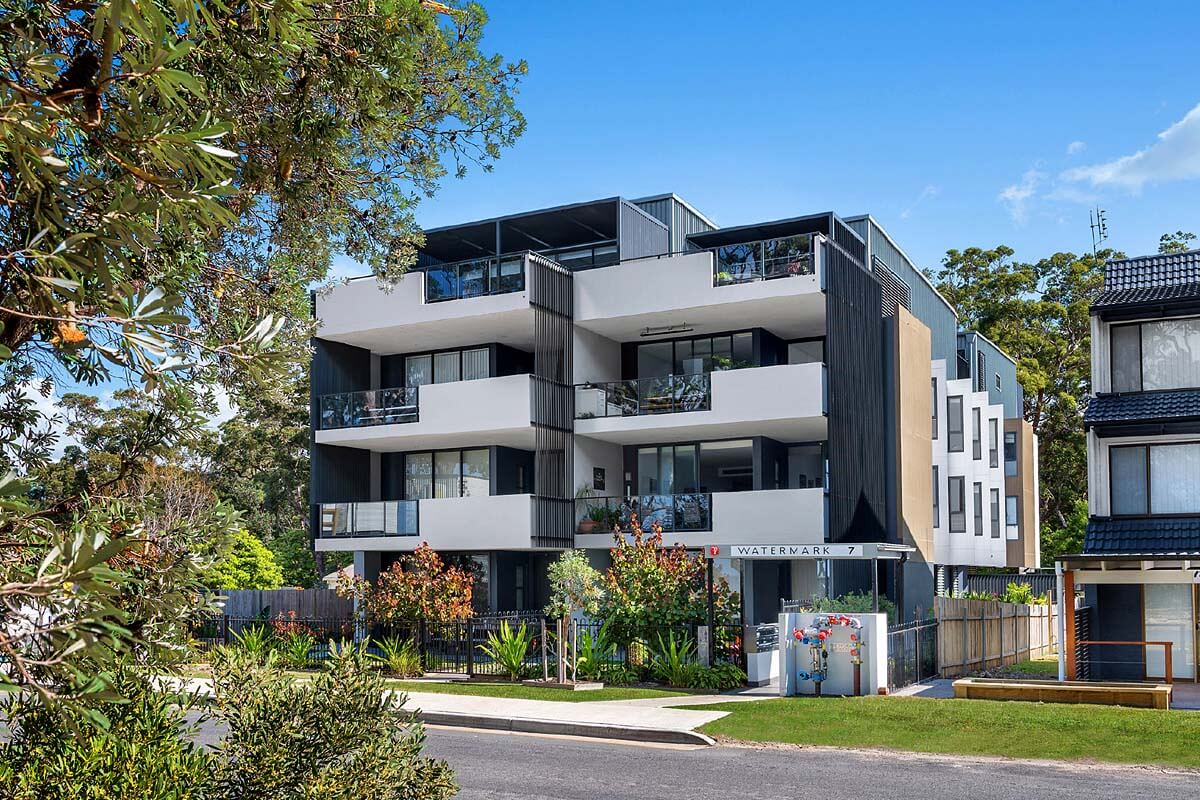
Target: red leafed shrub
287 625
418 586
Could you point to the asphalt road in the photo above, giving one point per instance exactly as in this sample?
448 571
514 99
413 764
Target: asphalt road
499 766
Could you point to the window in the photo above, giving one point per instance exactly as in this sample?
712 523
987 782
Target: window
980 371
993 443
447 473
726 466
1010 517
808 352
1010 454
1156 355
937 511
1155 479
995 513
954 423
698 355
958 512
977 504
999 385
447 367
1127 480
976 434
934 406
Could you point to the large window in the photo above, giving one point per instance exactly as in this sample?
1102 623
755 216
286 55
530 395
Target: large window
687 468
1155 479
977 507
695 356
809 351
447 473
993 443
934 406
1010 454
937 509
976 434
958 502
447 366
1156 355
954 423
1010 517
995 513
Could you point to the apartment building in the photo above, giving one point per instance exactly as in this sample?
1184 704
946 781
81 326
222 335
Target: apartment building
1141 558
544 375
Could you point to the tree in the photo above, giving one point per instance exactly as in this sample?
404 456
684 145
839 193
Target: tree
1038 314
245 564
575 585
1177 242
1066 539
419 586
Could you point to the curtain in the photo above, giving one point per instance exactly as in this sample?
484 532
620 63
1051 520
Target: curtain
1175 479
1171 354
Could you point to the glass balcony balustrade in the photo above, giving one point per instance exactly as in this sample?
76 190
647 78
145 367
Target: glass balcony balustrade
378 518
476 278
691 511
768 259
371 407
665 395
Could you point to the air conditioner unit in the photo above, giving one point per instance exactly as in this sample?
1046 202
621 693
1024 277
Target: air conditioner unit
736 472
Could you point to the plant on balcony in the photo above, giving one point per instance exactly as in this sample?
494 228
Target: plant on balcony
418 586
650 586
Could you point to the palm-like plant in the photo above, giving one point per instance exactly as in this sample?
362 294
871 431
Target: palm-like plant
398 656
674 661
509 648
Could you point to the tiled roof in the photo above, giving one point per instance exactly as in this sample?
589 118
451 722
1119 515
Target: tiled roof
1170 536
1142 406
1147 294
1157 270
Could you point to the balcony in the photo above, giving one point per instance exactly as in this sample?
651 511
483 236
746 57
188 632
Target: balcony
490 522
768 259
481 277
772 516
474 413
786 402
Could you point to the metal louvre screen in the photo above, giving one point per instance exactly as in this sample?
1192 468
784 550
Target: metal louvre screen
553 402
895 291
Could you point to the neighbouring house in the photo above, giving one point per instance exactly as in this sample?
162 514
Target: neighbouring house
758 389
1141 556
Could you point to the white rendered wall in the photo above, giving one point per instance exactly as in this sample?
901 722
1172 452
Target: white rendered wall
597 359
591 453
490 522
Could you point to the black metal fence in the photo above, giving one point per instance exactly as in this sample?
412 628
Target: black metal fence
912 652
1040 582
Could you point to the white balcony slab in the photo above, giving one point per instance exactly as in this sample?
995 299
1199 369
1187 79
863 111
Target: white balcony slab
785 402
489 411
775 516
493 522
621 301
386 320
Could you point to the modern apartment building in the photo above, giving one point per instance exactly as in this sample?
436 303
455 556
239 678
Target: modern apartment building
1141 559
543 375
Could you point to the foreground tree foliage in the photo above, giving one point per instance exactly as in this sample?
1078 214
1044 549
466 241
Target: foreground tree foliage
340 736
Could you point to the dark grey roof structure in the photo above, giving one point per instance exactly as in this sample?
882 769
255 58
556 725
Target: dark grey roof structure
1151 537
1169 269
1107 409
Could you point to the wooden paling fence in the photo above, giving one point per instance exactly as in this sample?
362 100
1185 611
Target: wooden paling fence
307 603
978 635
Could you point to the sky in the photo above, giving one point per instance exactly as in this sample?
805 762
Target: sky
954 124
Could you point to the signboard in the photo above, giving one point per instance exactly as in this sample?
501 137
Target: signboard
867 550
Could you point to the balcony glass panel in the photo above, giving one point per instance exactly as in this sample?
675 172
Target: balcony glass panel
372 407
673 512
379 518
666 395
763 260
475 278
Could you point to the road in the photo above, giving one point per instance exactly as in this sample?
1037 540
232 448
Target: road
500 766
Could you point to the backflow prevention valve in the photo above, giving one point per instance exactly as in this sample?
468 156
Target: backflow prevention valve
816 636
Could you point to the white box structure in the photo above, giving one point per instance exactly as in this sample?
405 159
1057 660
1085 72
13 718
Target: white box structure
795 656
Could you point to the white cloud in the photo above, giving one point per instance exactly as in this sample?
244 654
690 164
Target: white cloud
1018 195
50 417
929 191
1076 147
1174 157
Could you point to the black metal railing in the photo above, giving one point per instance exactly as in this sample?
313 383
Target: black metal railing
370 407
665 395
478 277
912 652
691 511
785 257
371 518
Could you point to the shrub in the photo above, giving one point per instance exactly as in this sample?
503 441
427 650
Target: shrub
284 626
509 649
616 674
575 585
854 603
595 650
255 641
674 661
418 586
722 676
294 649
398 656
1022 593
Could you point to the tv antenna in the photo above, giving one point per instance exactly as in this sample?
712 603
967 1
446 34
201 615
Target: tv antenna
1099 226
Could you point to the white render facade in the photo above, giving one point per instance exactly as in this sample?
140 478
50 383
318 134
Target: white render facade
542 377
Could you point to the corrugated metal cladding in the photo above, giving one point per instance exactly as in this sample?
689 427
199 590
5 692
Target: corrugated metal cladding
641 234
680 220
994 363
924 302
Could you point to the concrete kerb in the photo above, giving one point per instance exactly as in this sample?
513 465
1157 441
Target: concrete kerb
564 728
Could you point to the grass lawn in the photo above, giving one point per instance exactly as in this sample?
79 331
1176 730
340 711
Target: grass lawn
970 727
1035 668
519 691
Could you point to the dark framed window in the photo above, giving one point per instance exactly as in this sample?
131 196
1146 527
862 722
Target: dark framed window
993 443
1010 453
976 433
995 513
980 371
1010 517
1160 479
447 366
1153 356
934 406
977 503
447 473
999 384
956 488
806 351
954 423
696 355
937 509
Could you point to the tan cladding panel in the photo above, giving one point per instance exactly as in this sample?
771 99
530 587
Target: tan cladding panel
914 440
1023 552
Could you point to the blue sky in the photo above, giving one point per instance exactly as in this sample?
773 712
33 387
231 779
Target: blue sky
954 124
